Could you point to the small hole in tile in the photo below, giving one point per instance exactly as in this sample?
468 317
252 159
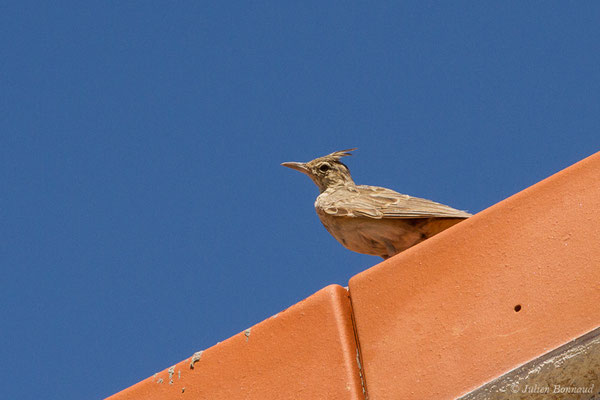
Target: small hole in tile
517 308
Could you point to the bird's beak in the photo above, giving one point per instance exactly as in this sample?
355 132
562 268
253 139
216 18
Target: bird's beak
298 166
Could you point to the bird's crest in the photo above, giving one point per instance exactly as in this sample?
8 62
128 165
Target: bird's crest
339 154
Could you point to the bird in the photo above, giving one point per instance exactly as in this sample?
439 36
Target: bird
370 219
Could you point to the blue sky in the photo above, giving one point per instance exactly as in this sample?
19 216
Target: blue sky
145 215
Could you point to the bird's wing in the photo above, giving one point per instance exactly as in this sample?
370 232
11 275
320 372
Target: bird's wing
377 202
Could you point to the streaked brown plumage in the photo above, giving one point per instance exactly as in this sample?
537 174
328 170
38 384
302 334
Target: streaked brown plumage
370 219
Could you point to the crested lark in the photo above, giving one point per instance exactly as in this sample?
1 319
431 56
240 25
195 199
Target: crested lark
370 219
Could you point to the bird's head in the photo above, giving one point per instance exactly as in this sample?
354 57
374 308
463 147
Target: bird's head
326 171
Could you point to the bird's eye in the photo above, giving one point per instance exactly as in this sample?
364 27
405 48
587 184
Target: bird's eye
324 168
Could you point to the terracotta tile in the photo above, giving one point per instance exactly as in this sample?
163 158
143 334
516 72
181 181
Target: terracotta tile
305 352
439 319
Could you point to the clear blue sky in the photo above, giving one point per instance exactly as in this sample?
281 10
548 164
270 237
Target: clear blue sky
145 215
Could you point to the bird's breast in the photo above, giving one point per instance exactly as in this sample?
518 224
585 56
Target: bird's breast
367 235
